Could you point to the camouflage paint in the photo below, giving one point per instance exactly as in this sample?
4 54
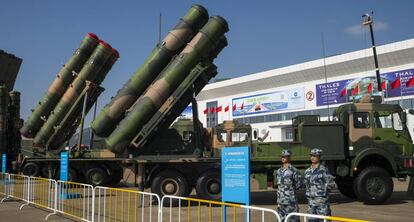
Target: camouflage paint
173 43
67 127
167 81
89 72
14 124
9 68
59 85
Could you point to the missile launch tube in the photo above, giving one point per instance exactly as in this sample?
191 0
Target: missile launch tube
89 72
174 42
168 80
59 85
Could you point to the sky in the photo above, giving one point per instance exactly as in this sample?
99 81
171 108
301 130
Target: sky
263 35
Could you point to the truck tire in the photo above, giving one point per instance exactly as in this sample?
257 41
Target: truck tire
169 182
96 177
208 186
346 188
373 185
31 169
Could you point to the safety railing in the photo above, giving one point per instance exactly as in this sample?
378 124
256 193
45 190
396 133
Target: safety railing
113 204
179 209
43 193
3 188
75 200
17 187
324 218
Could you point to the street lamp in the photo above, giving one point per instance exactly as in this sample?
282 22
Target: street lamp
367 21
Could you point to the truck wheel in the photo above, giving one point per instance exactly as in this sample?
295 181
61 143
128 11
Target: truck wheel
96 177
31 169
169 182
346 188
208 186
374 185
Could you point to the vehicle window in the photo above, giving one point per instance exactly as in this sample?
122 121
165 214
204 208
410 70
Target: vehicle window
382 121
397 121
361 120
222 136
239 137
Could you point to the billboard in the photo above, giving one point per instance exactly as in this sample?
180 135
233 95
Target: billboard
269 102
394 84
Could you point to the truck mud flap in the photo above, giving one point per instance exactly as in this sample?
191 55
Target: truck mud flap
411 187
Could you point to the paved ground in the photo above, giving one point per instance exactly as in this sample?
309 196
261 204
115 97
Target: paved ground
398 208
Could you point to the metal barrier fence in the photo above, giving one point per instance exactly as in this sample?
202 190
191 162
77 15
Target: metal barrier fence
83 202
3 181
17 187
75 200
324 218
190 209
43 193
113 204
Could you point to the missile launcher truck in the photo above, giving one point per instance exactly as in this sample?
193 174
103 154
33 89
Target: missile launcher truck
366 145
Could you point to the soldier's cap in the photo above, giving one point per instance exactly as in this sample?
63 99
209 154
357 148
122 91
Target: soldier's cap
285 153
315 152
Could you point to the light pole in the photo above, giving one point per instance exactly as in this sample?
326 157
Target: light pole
367 21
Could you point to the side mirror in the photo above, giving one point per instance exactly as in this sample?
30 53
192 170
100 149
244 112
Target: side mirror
411 111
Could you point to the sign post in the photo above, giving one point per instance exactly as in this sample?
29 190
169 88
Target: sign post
235 176
3 163
64 165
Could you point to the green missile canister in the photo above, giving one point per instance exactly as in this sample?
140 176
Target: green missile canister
59 85
174 42
168 80
89 72
68 126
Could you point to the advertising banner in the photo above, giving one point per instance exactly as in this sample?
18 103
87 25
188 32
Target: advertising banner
269 102
394 84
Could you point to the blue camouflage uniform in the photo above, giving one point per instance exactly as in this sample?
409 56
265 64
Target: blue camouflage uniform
318 183
288 182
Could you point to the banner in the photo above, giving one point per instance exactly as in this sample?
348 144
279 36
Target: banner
3 163
269 102
394 84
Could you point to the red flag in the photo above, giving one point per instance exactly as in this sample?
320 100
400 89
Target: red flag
218 109
355 90
410 82
369 87
234 107
384 85
242 106
226 109
343 92
212 109
205 111
396 83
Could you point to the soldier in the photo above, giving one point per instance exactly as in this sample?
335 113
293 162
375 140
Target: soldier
318 182
288 182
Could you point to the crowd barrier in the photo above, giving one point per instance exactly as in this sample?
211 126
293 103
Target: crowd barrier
114 204
76 200
324 218
102 204
190 209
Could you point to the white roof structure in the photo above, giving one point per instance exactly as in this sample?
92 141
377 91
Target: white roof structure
389 55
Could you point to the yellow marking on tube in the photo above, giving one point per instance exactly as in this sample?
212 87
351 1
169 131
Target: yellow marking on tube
234 212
